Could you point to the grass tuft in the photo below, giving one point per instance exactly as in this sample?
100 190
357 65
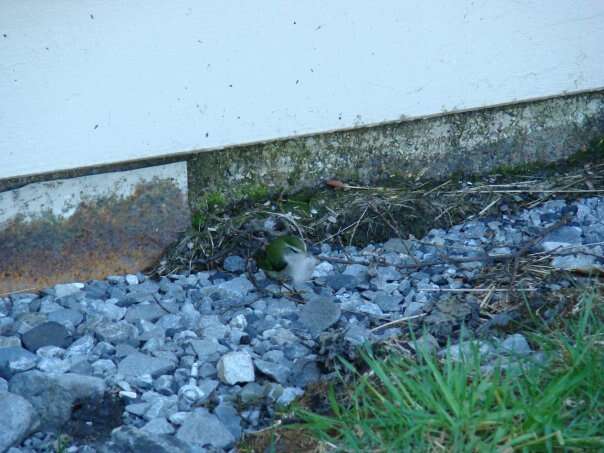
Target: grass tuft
430 404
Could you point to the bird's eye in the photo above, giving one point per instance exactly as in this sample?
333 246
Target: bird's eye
293 249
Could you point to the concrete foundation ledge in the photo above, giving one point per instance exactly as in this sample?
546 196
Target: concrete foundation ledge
88 227
475 141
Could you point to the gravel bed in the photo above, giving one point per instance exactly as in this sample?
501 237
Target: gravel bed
190 363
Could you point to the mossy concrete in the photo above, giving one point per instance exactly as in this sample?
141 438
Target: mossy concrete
470 142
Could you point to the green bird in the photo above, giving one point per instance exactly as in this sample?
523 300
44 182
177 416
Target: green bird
287 256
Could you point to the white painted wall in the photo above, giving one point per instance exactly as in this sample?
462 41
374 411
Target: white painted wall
97 81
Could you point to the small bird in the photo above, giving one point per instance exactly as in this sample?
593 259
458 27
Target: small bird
287 255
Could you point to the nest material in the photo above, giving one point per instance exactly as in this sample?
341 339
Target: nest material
343 214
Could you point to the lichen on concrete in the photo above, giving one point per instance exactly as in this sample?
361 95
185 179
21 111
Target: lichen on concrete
467 142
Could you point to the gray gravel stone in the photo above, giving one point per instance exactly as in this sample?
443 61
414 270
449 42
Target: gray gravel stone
238 287
388 274
413 308
322 270
15 360
562 237
53 396
67 289
208 349
236 367
277 371
395 245
388 302
234 263
66 317
158 426
305 371
18 417
164 384
227 414
289 395
116 332
145 311
357 335
10 342
106 309
6 325
339 281
128 439
359 271
465 350
137 364
516 344
132 279
586 264
319 313
205 430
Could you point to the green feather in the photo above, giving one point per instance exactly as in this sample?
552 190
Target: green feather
272 258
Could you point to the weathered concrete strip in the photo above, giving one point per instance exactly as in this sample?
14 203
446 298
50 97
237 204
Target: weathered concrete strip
474 141
91 226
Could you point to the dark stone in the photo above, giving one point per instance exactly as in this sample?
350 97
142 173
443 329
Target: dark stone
339 281
47 334
93 420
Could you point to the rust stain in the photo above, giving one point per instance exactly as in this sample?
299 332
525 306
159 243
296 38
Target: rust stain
108 236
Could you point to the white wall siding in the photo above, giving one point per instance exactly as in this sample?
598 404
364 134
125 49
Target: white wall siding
94 82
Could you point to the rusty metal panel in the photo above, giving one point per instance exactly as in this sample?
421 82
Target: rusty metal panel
89 227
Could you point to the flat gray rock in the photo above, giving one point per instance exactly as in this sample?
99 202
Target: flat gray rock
339 281
208 349
14 360
359 271
395 245
136 364
388 302
67 289
145 311
10 342
66 317
18 417
47 334
128 439
516 344
277 371
320 313
203 429
158 426
562 237
53 396
228 415
239 286
116 332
